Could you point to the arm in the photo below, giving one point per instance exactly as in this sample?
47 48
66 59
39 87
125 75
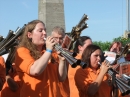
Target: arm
39 65
1 84
93 87
62 69
11 83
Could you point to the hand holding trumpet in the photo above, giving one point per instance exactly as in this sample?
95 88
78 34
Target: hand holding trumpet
105 66
50 42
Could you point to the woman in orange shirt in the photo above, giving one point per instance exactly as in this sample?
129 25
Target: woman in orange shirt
116 47
40 76
80 45
93 80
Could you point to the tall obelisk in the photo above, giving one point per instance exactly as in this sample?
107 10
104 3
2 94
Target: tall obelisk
127 32
51 12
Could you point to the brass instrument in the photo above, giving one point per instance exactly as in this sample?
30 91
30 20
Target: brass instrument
8 44
1 38
76 31
10 40
74 35
72 61
123 66
69 56
122 84
125 50
10 59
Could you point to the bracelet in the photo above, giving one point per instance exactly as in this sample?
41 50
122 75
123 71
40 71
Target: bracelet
49 50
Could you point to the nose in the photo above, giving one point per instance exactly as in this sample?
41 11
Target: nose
44 32
57 40
99 57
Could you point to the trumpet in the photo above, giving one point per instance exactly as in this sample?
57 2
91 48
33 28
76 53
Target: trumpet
7 45
1 38
10 40
122 84
76 30
69 56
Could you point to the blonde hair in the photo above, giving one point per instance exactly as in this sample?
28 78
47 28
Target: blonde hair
59 30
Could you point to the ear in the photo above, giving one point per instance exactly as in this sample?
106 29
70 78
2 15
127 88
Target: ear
80 47
29 35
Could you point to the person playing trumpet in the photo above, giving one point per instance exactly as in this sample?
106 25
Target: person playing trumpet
93 80
40 76
58 33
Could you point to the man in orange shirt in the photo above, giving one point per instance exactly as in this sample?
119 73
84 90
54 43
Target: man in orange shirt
80 45
58 33
41 76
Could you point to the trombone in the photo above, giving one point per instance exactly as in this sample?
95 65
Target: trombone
69 56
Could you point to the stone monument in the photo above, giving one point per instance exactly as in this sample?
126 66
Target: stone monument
51 12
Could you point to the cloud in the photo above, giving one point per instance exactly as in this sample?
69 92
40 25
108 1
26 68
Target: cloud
25 5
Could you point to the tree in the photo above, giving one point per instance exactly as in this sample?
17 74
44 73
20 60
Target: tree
105 45
123 40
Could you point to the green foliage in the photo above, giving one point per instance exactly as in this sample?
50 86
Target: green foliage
123 40
105 45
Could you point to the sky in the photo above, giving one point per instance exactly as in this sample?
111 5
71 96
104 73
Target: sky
107 18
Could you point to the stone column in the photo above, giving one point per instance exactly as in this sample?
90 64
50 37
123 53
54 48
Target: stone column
51 12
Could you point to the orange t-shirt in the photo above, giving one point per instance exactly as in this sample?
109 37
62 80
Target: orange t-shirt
6 91
71 72
2 69
44 85
64 88
84 77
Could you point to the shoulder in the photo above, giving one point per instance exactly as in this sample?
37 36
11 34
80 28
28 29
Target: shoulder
22 52
2 60
22 49
82 72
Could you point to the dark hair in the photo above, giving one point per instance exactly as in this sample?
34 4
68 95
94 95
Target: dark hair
80 41
87 53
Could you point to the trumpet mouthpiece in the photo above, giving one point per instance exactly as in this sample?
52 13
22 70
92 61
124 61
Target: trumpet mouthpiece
44 38
99 63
